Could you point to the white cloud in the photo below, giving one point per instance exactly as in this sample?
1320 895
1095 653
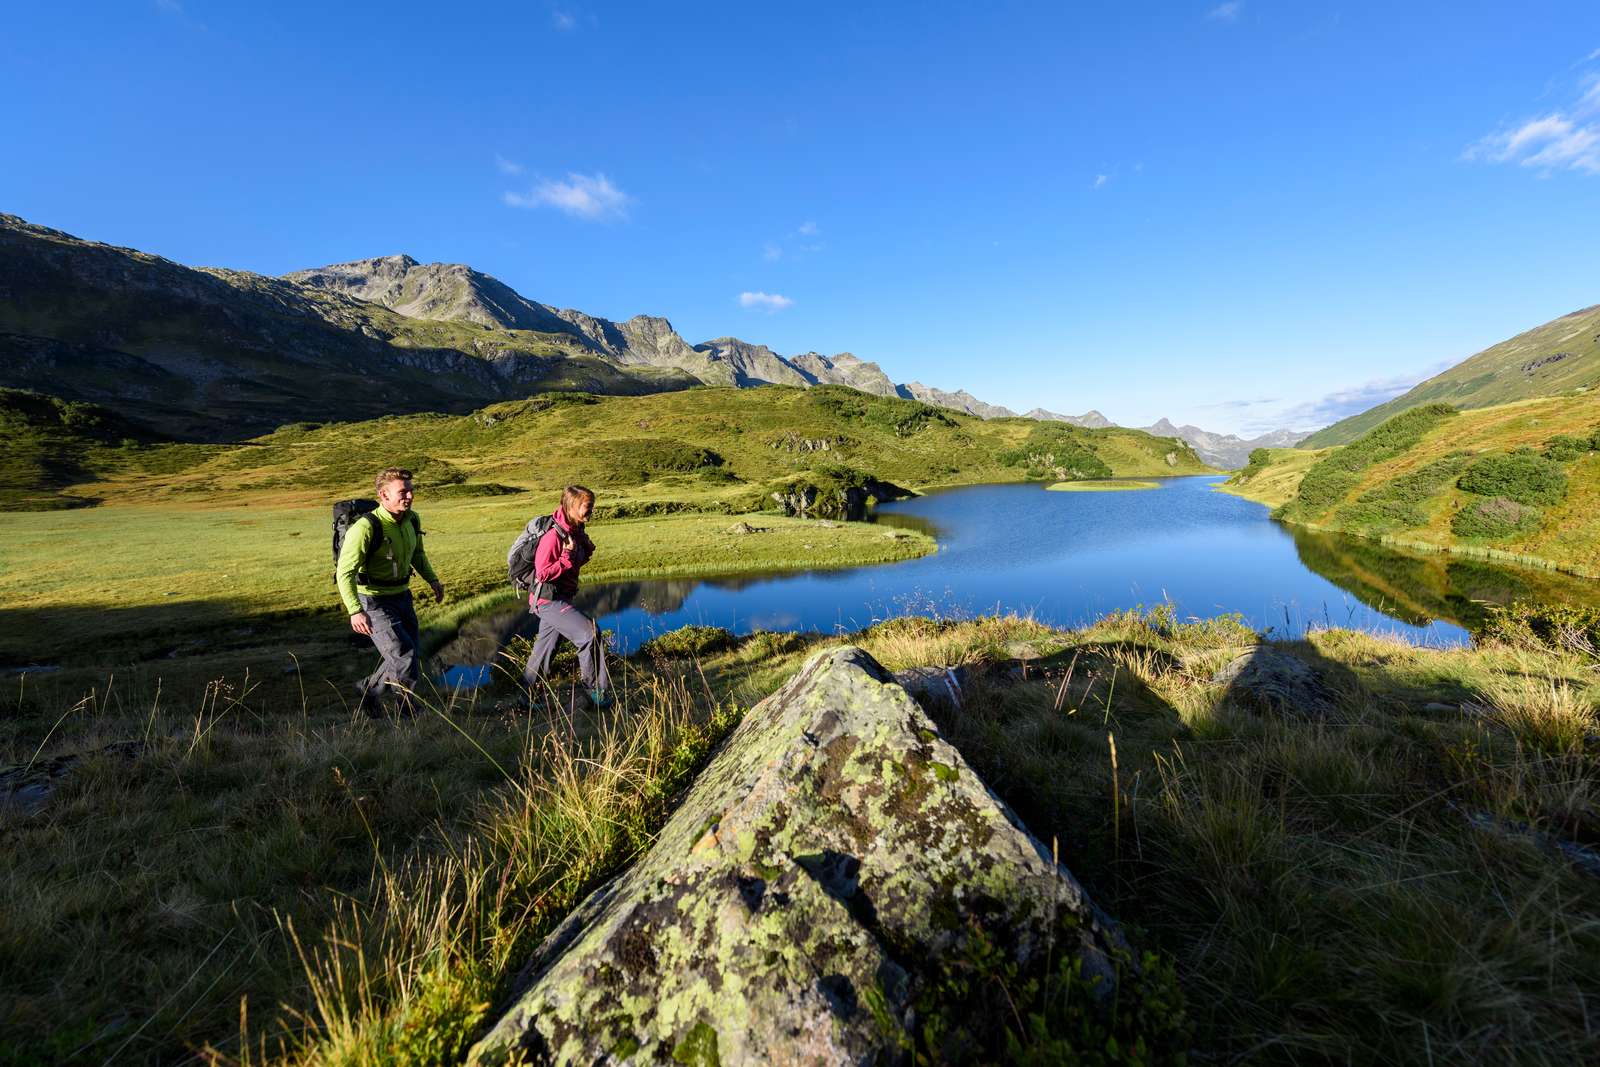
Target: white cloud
565 21
584 196
1553 142
1100 180
1567 139
506 166
807 229
771 303
1228 12
771 252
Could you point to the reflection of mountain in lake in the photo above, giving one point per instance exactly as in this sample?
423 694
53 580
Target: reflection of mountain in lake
1420 587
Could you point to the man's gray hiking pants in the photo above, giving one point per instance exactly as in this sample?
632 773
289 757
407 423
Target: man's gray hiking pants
558 619
396 634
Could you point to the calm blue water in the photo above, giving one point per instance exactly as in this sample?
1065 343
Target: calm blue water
1066 558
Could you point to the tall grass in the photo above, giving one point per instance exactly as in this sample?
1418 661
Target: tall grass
227 871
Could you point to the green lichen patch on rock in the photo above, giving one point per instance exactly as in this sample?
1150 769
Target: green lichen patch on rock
803 898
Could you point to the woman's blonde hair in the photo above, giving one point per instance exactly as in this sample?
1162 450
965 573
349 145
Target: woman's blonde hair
572 494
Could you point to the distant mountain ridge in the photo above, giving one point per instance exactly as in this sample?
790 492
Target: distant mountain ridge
1228 451
1561 355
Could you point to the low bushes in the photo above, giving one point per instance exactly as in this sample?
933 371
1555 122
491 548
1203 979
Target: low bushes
1330 479
903 418
1522 476
629 462
1400 504
1056 450
1495 517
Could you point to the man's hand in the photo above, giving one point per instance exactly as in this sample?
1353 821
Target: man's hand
438 592
361 624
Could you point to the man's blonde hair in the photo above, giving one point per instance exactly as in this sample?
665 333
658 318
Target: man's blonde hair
390 474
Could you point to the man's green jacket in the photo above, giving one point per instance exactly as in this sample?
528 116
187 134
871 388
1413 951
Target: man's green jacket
389 565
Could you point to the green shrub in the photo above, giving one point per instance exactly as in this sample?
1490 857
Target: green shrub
1054 449
632 461
1539 624
1256 463
1523 476
1496 517
687 642
472 489
1564 448
1332 477
1402 503
903 418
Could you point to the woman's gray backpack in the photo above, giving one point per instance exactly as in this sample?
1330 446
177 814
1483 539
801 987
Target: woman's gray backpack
519 561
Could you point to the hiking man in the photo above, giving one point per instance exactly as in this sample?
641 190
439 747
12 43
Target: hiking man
374 576
562 552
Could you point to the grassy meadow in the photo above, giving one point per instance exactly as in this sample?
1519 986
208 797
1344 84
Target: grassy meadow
1518 483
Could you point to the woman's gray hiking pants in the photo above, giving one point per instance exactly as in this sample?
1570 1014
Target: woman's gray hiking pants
397 636
558 619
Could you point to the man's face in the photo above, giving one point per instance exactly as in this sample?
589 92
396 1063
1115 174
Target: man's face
395 496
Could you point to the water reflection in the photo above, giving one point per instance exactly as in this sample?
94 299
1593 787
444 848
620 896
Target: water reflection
1067 558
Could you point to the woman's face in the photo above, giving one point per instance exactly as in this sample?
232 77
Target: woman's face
579 511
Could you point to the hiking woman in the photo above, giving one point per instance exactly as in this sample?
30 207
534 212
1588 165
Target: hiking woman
562 552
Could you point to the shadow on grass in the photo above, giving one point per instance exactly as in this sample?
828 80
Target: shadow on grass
85 635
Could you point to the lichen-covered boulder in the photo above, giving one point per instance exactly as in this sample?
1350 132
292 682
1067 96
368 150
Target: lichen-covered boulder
823 866
1278 682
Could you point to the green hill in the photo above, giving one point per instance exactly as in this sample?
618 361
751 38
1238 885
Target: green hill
1548 360
706 449
1518 481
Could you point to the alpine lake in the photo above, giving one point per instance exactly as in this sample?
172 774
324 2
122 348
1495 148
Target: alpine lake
1066 558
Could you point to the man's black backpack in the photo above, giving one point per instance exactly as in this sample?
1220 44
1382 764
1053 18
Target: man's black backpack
346 513
519 561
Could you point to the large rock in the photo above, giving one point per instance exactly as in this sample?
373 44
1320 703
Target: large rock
822 868
1277 682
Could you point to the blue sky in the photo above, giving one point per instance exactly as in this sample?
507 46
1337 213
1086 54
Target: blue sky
1242 215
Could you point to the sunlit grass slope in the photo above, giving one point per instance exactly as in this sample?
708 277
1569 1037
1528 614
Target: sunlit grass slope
705 448
1519 482
1562 356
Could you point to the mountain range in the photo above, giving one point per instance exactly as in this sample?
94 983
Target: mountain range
211 354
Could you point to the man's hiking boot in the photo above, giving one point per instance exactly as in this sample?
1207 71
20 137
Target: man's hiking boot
600 698
371 704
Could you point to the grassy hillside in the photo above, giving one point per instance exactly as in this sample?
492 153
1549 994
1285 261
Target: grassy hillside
1551 359
1518 482
705 448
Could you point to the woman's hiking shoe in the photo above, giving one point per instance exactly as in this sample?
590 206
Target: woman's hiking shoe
600 698
518 704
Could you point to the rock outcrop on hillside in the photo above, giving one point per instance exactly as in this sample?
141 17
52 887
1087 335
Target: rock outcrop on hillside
1090 419
832 858
960 400
845 369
